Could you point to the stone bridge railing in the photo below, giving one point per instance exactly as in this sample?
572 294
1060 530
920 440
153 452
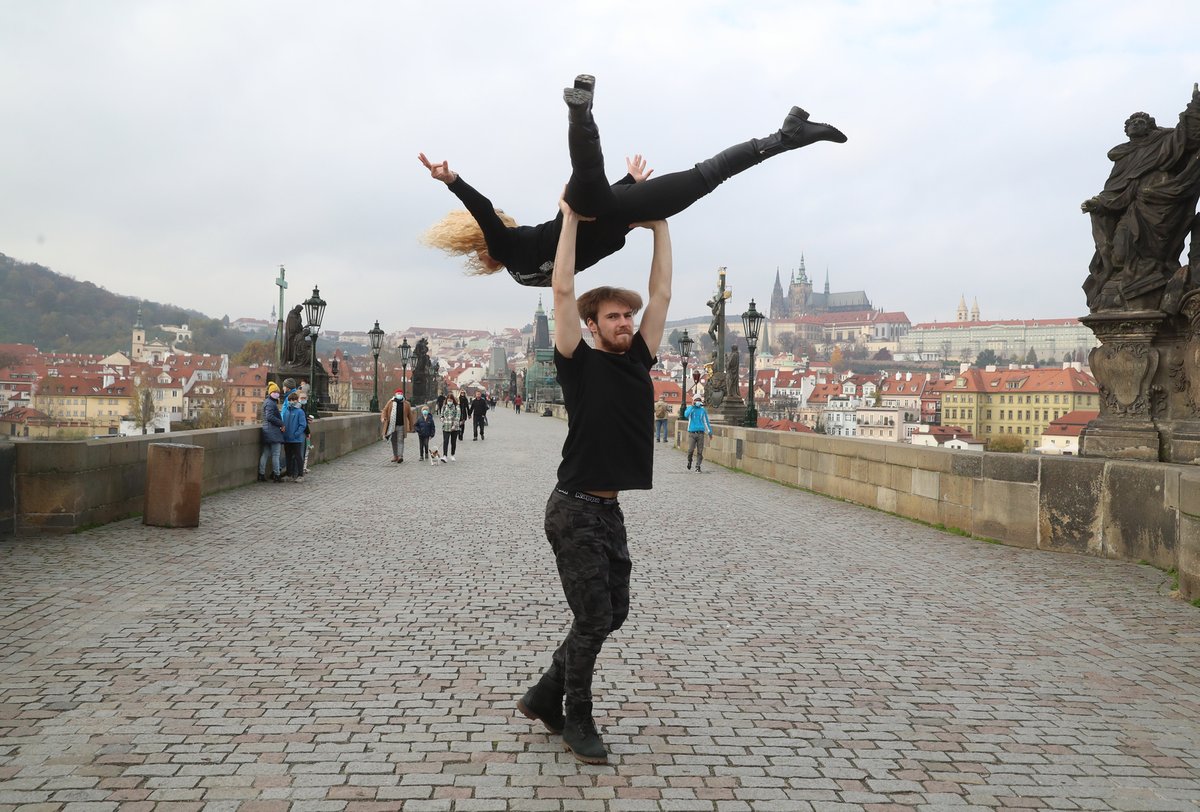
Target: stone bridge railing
1133 511
61 486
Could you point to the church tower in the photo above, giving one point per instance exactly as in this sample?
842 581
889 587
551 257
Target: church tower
800 292
779 305
138 340
541 328
961 315
975 309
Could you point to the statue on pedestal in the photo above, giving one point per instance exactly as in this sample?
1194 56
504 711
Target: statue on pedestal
1145 212
732 362
1145 304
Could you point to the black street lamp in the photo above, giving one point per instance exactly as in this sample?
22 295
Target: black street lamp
685 349
405 357
334 396
314 311
376 342
752 322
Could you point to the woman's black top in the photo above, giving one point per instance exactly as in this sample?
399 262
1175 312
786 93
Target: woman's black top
527 252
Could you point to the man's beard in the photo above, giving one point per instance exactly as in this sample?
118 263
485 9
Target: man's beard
617 342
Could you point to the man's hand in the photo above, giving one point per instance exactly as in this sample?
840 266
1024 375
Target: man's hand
1090 205
637 168
438 171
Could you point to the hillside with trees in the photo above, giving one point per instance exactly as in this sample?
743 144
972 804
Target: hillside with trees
55 312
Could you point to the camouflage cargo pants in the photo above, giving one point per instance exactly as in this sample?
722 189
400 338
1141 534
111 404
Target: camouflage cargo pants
590 548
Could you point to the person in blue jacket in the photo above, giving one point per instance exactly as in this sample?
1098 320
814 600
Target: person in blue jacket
295 421
272 435
698 426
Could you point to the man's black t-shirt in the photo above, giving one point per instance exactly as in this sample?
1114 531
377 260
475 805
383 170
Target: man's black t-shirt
610 418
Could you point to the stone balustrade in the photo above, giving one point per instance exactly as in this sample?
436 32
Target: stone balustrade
1128 510
60 486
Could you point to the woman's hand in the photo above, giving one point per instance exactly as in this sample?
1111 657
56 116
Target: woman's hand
438 171
637 168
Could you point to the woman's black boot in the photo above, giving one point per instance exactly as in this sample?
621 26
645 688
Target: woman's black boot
579 105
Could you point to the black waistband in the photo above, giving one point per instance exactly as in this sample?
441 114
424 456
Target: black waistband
590 498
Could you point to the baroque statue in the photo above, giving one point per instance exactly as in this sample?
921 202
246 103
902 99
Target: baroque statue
297 350
1144 214
732 362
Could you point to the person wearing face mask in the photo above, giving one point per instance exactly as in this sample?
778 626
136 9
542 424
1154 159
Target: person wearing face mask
272 436
426 428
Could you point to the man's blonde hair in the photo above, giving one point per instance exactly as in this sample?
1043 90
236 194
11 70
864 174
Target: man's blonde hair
589 303
460 236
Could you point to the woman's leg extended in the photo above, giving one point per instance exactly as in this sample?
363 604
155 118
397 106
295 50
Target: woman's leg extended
588 192
666 195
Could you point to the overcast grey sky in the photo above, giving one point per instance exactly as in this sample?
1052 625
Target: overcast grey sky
180 151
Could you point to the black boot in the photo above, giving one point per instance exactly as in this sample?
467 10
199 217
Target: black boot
581 737
579 105
544 703
797 131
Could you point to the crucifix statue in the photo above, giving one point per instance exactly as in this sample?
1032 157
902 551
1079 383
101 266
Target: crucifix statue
279 352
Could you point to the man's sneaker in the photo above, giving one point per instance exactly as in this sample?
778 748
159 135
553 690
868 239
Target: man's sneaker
689 463
581 737
543 703
451 458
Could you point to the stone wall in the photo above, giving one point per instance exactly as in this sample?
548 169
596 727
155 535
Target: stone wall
60 486
1121 509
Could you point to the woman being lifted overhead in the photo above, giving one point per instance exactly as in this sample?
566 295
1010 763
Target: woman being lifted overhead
491 240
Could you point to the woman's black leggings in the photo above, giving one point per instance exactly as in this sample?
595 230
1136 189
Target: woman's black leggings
658 198
449 442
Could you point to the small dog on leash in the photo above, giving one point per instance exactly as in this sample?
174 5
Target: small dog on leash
434 456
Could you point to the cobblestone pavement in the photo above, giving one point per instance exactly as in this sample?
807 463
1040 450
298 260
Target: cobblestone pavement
358 641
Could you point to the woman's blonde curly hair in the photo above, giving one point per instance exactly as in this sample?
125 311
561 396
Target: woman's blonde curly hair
460 236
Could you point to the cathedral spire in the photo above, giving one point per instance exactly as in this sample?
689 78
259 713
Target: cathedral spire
779 308
961 315
827 282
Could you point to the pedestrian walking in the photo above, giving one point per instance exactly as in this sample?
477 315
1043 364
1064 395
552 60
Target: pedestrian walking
609 448
479 410
661 412
451 424
464 411
425 429
698 426
517 401
397 422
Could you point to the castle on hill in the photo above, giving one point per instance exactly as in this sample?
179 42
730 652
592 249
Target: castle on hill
801 300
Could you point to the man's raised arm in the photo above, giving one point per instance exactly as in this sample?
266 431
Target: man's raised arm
654 319
567 332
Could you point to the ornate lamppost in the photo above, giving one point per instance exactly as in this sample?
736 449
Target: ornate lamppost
405 357
685 349
333 371
752 322
376 336
314 312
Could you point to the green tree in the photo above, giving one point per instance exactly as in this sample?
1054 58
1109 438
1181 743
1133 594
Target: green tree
255 351
986 358
1009 443
1031 357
